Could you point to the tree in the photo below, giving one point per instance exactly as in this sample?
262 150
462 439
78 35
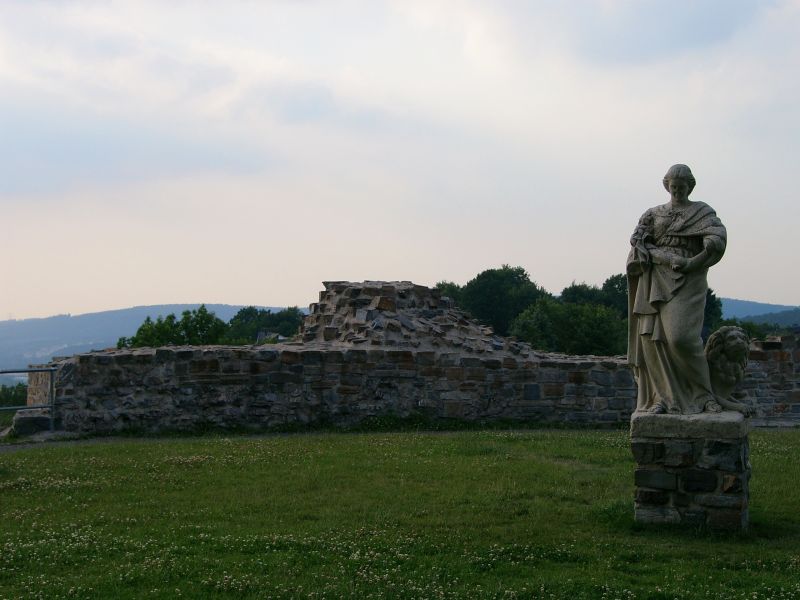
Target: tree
13 395
712 317
582 293
451 290
286 322
195 327
572 328
755 331
615 291
200 327
497 296
245 326
161 332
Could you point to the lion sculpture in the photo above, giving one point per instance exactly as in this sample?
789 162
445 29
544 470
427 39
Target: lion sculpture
727 350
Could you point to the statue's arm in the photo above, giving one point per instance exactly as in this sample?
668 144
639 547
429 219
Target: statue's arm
698 261
710 255
641 242
661 256
714 242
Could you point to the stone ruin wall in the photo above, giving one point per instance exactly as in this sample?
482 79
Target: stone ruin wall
772 380
375 349
185 388
38 388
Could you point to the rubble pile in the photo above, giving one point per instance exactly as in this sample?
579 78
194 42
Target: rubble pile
399 314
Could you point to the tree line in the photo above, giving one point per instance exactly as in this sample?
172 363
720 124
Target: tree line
583 319
13 395
202 327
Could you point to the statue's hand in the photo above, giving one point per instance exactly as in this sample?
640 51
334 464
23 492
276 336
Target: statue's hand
678 263
697 262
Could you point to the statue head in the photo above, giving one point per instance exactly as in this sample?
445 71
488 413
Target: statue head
679 172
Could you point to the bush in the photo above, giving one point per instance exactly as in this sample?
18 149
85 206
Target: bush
13 395
555 326
249 322
451 290
195 327
201 327
497 296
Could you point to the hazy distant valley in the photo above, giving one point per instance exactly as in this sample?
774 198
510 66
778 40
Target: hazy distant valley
33 341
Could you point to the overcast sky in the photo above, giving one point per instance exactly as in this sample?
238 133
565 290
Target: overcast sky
243 152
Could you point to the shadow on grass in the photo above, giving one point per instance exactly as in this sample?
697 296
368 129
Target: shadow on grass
617 516
385 424
766 528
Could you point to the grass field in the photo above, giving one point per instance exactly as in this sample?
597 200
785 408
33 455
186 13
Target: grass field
484 514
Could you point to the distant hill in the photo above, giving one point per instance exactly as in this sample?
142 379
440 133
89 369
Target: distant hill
784 318
732 308
31 341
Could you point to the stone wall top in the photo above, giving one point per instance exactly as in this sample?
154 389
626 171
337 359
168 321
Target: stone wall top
398 314
372 349
724 425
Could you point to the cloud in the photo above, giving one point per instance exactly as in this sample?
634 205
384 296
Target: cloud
619 32
45 149
466 134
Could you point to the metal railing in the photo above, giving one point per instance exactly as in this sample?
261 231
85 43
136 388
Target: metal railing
51 392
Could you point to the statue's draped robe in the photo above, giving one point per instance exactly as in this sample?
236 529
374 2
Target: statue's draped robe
666 307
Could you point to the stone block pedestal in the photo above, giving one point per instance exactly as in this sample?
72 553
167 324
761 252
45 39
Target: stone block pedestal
692 469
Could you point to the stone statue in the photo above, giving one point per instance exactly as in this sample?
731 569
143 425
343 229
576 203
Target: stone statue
727 351
673 246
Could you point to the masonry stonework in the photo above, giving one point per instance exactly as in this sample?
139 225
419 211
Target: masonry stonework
692 469
38 388
375 349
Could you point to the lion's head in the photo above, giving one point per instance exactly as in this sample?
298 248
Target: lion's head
727 350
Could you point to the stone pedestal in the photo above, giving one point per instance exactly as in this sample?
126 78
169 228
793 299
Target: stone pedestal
692 469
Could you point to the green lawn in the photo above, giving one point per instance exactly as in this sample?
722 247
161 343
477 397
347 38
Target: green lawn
399 515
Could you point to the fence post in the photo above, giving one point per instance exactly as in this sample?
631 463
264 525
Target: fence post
52 401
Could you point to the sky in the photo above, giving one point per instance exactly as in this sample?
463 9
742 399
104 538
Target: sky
243 152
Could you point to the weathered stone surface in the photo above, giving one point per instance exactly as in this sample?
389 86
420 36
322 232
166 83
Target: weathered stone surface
646 453
531 392
670 363
724 425
399 314
692 481
437 351
678 453
657 497
655 478
38 387
724 455
656 514
30 421
694 517
732 484
721 501
699 480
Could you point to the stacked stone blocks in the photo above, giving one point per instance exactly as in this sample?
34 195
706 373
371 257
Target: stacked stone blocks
772 382
374 349
183 388
692 470
38 388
